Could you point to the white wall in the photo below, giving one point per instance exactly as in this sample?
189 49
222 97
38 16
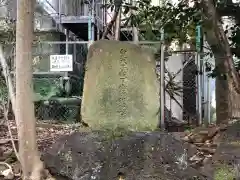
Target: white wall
174 64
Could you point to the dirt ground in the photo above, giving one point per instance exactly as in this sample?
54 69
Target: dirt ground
205 140
47 133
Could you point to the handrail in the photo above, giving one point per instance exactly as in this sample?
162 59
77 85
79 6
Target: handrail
46 5
50 5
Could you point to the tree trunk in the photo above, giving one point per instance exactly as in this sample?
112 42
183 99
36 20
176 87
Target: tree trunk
111 23
25 118
118 26
135 32
228 89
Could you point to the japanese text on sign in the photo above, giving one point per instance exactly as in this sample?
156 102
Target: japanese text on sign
61 63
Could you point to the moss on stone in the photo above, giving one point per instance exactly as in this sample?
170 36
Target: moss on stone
120 87
113 134
224 172
234 143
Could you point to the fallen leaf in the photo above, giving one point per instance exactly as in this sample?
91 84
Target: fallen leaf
4 141
8 174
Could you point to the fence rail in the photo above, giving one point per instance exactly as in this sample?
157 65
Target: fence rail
64 94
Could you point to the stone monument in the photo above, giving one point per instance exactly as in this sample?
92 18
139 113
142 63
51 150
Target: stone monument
121 89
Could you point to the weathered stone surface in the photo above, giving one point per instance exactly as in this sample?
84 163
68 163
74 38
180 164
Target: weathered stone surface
120 87
229 146
226 160
139 156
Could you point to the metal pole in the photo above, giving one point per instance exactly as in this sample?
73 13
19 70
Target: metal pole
208 103
89 23
207 95
98 15
85 42
105 14
162 83
135 35
93 14
199 97
198 77
60 10
134 28
67 46
205 87
67 39
98 33
203 90
74 53
118 25
162 79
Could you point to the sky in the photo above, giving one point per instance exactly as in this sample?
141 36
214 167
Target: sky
212 90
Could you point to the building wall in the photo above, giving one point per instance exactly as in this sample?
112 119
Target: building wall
44 22
75 7
69 7
8 9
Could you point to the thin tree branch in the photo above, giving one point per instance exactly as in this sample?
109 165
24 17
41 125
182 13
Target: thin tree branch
8 79
218 41
6 111
111 23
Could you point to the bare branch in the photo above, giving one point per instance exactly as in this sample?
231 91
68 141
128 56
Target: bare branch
111 23
8 79
6 111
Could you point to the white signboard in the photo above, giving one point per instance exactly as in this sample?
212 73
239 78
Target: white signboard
61 63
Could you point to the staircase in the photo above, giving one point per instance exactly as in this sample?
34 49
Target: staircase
80 24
